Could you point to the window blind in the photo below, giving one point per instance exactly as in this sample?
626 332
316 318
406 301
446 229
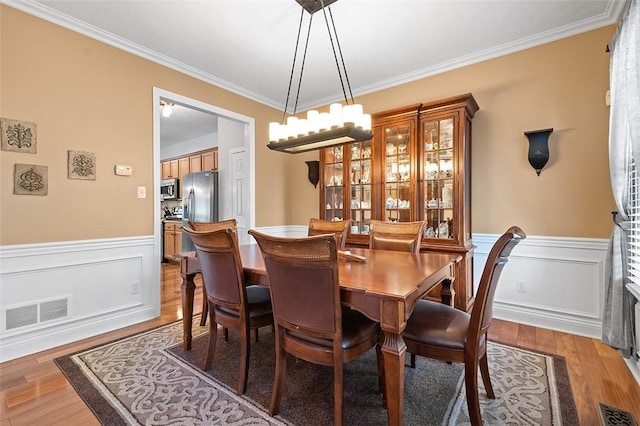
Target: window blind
634 232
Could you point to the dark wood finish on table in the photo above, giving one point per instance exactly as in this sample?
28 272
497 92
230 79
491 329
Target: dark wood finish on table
384 288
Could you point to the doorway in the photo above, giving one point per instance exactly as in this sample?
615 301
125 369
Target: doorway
239 135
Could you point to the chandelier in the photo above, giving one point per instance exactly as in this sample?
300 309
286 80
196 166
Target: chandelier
341 124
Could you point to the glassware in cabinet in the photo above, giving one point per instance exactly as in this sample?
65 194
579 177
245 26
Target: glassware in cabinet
360 187
333 178
438 178
397 168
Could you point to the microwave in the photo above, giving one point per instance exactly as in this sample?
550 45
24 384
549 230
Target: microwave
169 189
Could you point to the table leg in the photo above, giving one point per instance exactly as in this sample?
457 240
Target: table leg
393 354
447 292
187 289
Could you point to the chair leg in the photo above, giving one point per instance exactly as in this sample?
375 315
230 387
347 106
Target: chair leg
213 337
338 390
471 387
381 383
278 381
225 332
413 361
484 370
245 349
205 308
255 334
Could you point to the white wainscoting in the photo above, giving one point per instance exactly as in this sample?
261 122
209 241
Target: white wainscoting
108 284
563 282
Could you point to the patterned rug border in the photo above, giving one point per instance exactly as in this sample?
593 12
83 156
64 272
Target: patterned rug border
108 415
568 410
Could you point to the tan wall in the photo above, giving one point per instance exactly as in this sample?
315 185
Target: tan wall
560 85
85 95
88 96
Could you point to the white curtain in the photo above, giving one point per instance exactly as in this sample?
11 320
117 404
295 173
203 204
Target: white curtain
624 146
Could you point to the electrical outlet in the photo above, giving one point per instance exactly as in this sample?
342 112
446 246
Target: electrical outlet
521 286
135 287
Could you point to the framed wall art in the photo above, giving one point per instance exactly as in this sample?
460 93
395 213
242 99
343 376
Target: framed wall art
18 136
30 179
82 165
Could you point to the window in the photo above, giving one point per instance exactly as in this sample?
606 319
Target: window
634 231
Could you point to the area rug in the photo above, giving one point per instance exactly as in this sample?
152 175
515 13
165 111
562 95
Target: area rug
149 379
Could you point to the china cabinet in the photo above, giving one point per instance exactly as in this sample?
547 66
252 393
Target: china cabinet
416 167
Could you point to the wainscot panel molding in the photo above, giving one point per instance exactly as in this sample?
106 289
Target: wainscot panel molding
550 282
288 231
563 280
56 293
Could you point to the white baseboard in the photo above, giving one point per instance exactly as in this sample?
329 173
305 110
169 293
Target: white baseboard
104 285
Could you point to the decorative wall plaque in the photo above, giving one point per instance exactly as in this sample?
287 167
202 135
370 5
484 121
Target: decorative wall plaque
82 165
19 136
30 179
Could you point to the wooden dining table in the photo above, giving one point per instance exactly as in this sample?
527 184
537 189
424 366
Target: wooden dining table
385 288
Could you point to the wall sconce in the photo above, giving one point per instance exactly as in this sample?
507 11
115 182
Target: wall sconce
314 172
538 148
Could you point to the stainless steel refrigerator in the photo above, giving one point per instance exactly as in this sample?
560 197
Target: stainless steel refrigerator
199 201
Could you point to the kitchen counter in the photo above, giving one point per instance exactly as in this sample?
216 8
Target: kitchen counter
172 219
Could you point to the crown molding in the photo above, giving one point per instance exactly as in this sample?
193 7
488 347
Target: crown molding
612 15
51 15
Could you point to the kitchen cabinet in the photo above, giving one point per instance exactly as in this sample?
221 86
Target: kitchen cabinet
170 169
177 167
416 167
172 239
195 163
210 160
184 164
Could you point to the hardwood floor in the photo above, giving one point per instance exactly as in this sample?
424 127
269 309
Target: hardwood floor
34 391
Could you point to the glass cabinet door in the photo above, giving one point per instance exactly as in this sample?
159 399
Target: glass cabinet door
438 178
397 171
361 176
333 183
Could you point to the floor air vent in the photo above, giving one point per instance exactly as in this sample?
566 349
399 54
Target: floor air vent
612 416
54 309
24 315
36 313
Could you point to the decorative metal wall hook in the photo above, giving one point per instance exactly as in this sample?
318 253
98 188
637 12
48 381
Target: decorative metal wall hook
538 148
314 172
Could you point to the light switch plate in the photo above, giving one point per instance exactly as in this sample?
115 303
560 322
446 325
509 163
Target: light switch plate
142 192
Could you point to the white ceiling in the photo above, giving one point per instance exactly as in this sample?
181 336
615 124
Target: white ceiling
247 46
186 124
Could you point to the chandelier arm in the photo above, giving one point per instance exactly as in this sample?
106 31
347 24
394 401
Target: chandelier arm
293 67
335 56
344 67
304 58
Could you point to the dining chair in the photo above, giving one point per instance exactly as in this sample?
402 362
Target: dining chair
340 228
230 302
441 332
311 323
214 226
396 236
211 226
